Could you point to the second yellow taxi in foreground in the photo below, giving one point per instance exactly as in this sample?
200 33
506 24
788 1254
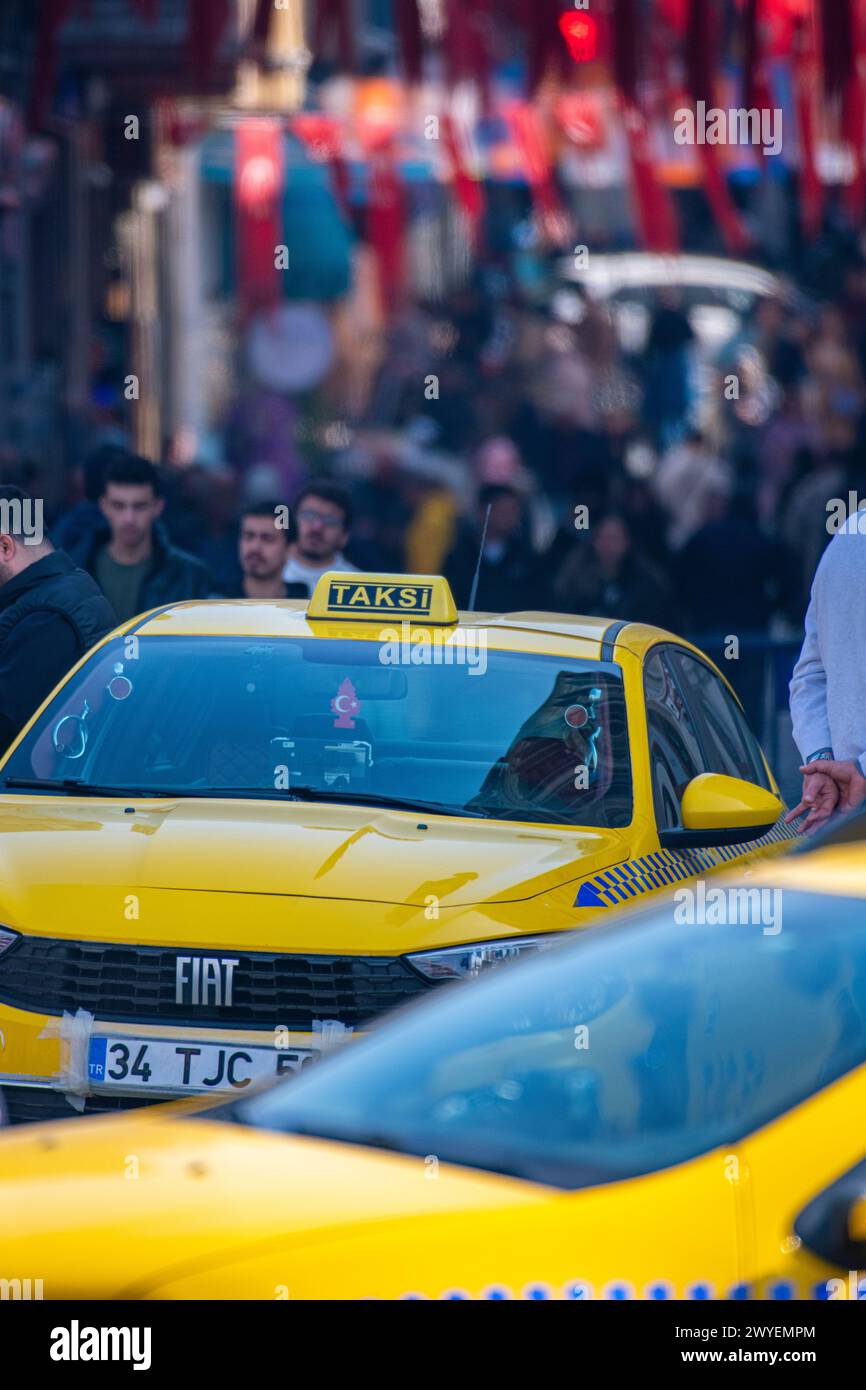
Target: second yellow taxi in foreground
670 1107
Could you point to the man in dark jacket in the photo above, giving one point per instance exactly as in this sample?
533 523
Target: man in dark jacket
509 575
50 614
130 557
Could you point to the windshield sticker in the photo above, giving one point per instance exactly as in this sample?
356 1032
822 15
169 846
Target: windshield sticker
576 716
120 686
344 704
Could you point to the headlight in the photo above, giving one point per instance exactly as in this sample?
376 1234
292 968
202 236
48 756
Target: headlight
7 939
456 962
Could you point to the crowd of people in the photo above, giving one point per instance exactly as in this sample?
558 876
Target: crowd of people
668 486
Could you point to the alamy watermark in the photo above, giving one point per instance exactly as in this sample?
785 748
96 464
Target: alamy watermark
22 517
722 907
738 126
846 514
77 1343
421 646
24 1289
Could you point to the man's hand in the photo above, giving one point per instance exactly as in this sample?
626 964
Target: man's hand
820 796
850 785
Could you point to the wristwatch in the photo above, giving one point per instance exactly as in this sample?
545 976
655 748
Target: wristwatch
822 755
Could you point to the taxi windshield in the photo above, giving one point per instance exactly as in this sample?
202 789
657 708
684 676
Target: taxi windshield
630 1049
475 732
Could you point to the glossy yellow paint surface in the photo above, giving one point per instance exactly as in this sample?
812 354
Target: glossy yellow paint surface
158 1204
311 878
712 801
174 1203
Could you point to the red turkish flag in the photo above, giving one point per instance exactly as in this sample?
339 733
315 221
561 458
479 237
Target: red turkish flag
386 219
702 38
258 190
807 94
467 187
655 212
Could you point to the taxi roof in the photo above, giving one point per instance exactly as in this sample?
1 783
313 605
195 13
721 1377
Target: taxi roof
288 618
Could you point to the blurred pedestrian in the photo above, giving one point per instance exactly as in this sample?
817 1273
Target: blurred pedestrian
322 518
668 371
731 578
131 557
605 576
80 523
687 474
509 575
51 613
263 551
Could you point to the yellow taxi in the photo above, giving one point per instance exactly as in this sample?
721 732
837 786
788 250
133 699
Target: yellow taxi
667 1107
239 831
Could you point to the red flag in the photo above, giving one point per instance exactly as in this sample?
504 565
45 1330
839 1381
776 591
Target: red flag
259 178
806 82
756 87
323 138
854 118
386 223
654 209
525 123
702 39
467 187
655 213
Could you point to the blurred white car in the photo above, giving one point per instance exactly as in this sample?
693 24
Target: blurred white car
717 294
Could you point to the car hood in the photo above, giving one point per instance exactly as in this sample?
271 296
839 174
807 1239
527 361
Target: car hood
295 850
111 1207
162 1205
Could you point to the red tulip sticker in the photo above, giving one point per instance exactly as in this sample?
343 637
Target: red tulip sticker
344 704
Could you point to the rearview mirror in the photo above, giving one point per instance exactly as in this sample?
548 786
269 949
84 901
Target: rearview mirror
720 810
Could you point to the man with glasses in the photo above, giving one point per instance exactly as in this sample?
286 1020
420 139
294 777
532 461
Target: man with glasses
322 517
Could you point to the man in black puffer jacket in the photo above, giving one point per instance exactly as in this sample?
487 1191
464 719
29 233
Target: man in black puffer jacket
131 558
51 613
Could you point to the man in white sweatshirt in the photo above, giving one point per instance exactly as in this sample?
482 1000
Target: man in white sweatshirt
322 516
828 687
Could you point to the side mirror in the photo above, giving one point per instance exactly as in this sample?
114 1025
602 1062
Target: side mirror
720 810
833 1226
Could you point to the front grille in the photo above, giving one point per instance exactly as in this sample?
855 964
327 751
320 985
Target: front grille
138 984
25 1105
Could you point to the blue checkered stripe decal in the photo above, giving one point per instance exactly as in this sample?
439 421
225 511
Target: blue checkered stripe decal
778 1291
666 867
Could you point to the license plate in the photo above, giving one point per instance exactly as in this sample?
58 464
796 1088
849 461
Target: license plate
182 1067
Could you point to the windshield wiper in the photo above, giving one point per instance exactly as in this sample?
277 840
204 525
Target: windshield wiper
75 784
398 803
72 785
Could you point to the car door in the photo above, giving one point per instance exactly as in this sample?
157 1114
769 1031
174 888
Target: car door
695 725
